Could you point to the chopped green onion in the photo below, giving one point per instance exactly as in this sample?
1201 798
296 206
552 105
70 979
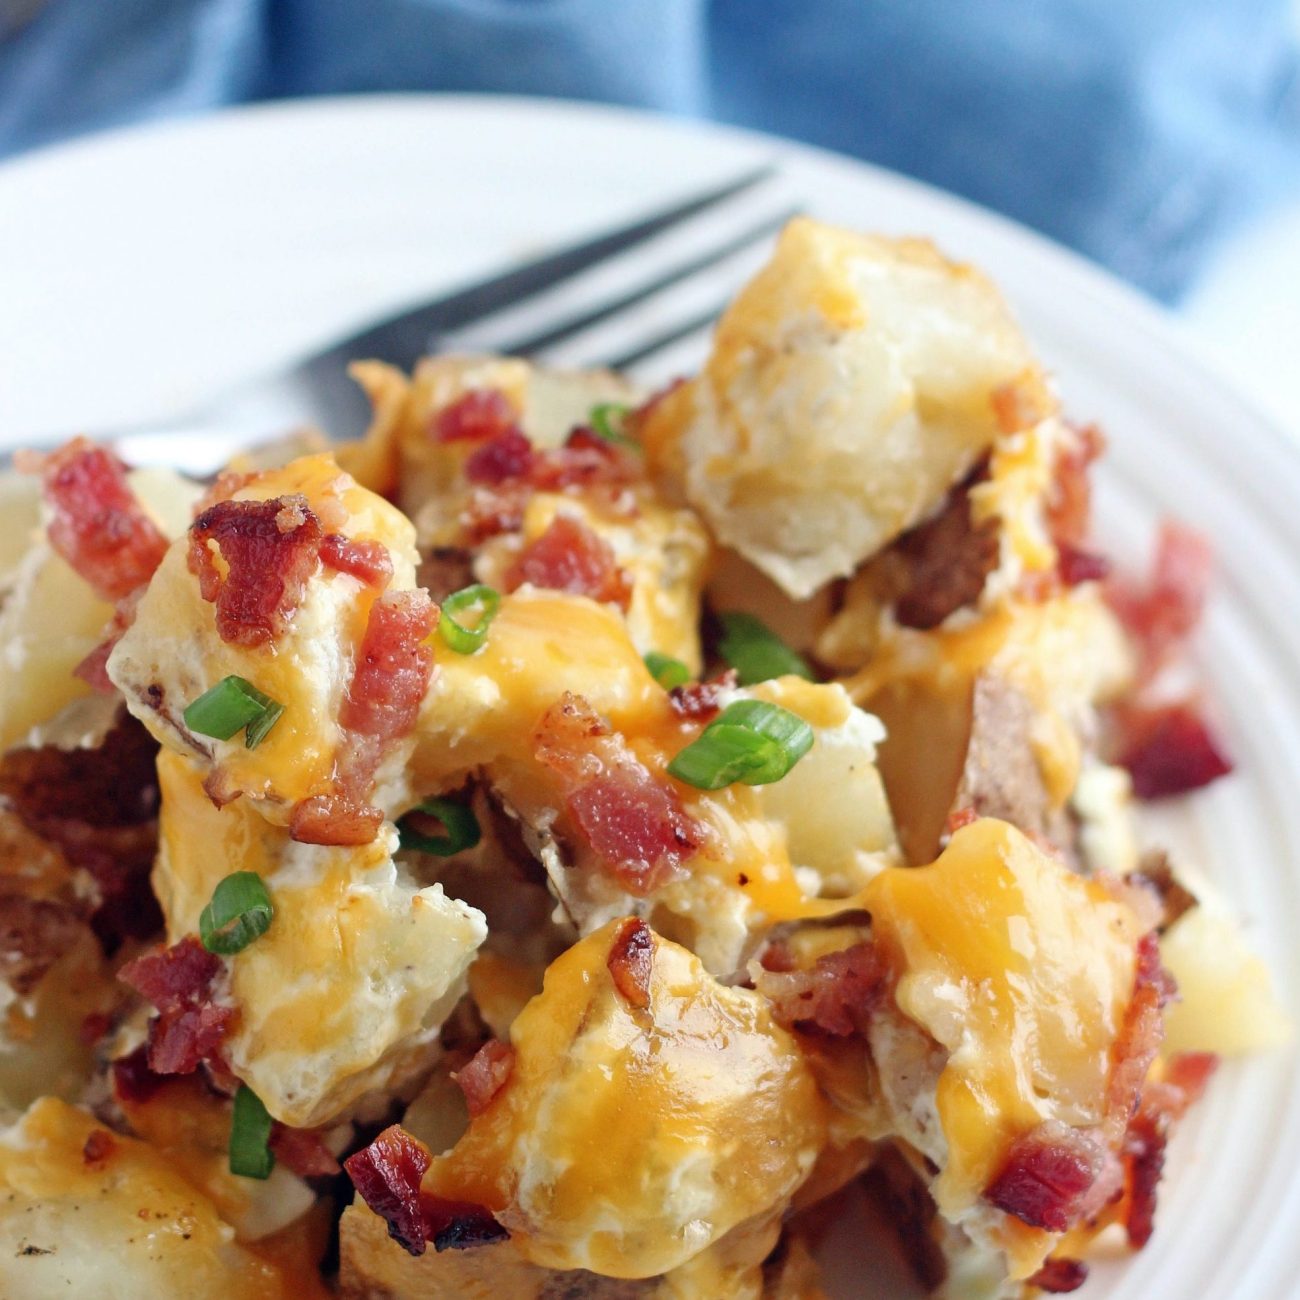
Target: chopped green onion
751 741
239 912
666 670
462 638
250 1132
229 705
756 652
607 421
259 728
457 820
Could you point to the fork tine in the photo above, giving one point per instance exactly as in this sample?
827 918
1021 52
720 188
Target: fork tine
658 342
403 339
675 275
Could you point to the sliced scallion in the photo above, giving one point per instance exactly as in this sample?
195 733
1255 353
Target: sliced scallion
608 421
459 823
756 652
666 670
462 636
239 912
751 741
233 703
250 1135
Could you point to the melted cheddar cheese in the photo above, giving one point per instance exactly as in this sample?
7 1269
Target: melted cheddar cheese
629 1141
1023 972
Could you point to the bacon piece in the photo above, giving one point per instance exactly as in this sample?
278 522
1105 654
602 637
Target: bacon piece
98 526
1069 500
1075 566
631 960
133 1081
270 549
944 562
367 561
585 460
958 819
387 1175
475 416
570 557
1139 1038
459 1225
1190 1072
701 701
1047 1176
177 981
334 819
303 1151
1060 1276
99 1145
492 511
393 669
1168 749
505 456
392 673
34 934
632 820
1162 613
485 1074
835 997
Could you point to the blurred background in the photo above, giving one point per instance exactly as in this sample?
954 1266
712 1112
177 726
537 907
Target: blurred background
1160 138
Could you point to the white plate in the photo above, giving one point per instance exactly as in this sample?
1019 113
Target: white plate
142 270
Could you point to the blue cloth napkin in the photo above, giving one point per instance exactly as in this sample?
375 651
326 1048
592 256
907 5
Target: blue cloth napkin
1137 131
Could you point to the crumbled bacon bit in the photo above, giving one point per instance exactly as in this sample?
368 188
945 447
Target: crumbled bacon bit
303 1151
632 820
485 1074
1168 750
475 416
393 669
93 1027
1059 1276
34 934
1069 500
98 526
586 459
334 819
701 701
133 1081
958 819
177 981
505 456
777 955
1076 566
570 557
270 549
835 997
1162 613
387 1175
368 561
1047 1176
942 564
1147 1136
458 1225
99 1145
491 511
630 962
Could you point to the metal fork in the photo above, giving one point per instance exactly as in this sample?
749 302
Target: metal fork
625 299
